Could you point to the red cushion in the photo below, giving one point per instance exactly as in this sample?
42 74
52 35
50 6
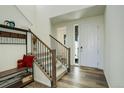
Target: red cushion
20 64
28 60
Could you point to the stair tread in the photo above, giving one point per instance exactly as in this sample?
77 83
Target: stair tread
60 71
58 64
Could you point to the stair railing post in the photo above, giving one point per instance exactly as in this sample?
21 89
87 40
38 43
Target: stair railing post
69 64
53 68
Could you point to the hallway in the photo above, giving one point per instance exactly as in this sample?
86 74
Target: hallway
83 77
79 77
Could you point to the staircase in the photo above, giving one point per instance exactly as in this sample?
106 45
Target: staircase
50 63
53 62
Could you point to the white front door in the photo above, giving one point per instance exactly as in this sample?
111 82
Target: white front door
88 45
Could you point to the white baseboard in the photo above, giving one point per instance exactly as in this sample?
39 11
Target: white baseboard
107 79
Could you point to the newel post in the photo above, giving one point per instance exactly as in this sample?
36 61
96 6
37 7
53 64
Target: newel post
54 69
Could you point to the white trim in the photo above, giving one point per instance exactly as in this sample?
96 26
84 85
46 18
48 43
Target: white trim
107 79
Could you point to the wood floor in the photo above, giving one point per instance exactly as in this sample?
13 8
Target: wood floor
79 77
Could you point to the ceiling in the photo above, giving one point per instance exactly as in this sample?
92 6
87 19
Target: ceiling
87 12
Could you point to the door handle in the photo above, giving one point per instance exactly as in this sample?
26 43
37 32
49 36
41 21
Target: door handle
81 49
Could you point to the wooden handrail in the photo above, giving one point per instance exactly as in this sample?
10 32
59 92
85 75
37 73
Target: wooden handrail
58 41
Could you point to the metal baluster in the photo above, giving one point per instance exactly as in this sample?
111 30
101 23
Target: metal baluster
40 54
31 45
22 38
47 61
50 63
18 39
36 49
60 51
0 37
56 46
65 57
45 58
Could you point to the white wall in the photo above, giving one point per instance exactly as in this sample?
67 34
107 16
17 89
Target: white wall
10 12
99 20
60 34
9 54
114 46
29 13
40 77
44 13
